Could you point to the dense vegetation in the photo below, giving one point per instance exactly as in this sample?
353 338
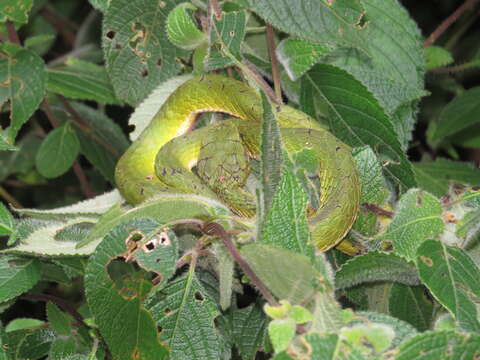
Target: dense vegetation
83 275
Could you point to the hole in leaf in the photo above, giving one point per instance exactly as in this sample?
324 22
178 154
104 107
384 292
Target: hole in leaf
231 33
167 311
199 296
145 73
159 62
110 34
159 329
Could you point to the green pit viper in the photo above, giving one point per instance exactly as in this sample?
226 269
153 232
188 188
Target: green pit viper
163 157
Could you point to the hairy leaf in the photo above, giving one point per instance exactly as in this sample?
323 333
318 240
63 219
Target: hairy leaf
17 275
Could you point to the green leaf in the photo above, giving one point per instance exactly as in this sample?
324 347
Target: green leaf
356 117
17 275
293 280
375 266
445 345
461 113
437 56
7 223
21 161
281 332
138 54
182 30
411 304
57 152
324 22
101 5
24 324
436 176
127 327
185 314
226 36
249 330
418 217
270 159
78 79
58 320
22 81
15 10
298 56
29 344
64 349
452 278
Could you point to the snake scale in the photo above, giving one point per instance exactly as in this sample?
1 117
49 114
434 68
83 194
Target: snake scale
164 156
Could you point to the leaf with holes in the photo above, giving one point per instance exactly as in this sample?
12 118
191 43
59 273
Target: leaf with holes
452 278
185 314
127 327
17 275
15 10
418 217
138 54
58 152
22 81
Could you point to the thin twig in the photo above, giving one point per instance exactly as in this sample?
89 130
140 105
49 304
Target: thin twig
260 81
456 68
447 22
274 61
65 306
77 169
216 229
378 210
86 127
9 198
12 33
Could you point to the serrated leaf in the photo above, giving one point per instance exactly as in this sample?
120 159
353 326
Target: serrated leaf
461 113
127 327
182 30
298 56
7 224
293 280
22 81
452 278
58 320
17 275
375 266
411 304
29 344
418 217
249 330
226 36
101 5
58 152
163 208
63 349
15 10
436 56
468 227
445 345
281 332
436 176
335 22
138 54
356 117
78 79
146 111
185 314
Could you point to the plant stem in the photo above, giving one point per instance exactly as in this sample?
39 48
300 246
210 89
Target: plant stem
377 210
216 229
12 33
447 22
456 68
77 169
213 4
248 66
65 306
274 61
9 198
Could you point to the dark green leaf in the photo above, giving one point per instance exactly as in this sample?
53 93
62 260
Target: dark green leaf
57 152
79 79
138 54
7 223
436 176
17 275
459 114
64 349
411 304
418 217
181 28
375 266
29 344
59 321
452 277
22 81
355 116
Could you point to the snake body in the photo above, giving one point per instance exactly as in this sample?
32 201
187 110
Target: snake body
162 158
